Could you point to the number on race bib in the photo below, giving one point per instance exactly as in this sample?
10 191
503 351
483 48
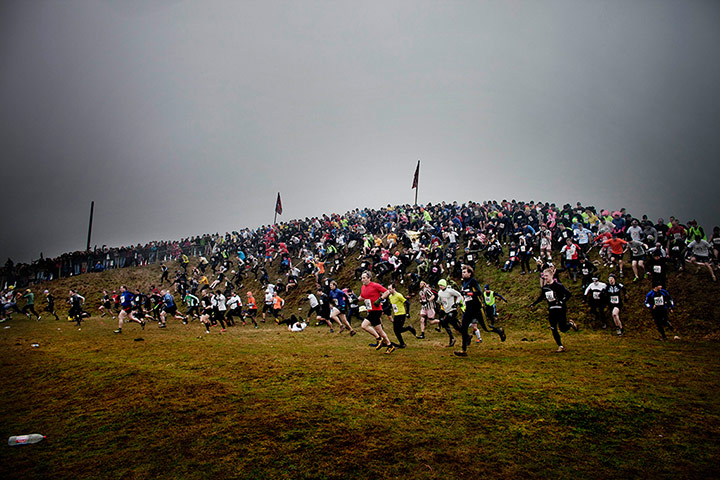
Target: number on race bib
550 296
659 301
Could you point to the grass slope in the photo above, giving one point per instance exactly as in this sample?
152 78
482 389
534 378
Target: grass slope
268 403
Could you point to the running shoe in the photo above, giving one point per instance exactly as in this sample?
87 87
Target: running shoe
420 337
352 333
573 325
119 330
142 324
379 345
502 334
389 350
560 349
460 353
452 342
478 340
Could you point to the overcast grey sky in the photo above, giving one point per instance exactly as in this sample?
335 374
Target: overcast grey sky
186 117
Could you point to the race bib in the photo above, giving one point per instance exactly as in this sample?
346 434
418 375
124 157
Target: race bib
596 295
469 257
522 249
368 304
614 299
468 299
550 296
657 269
659 301
395 308
568 255
585 271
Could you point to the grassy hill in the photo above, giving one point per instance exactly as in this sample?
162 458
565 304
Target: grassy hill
268 403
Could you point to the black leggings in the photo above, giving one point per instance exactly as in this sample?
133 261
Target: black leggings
399 327
490 314
660 315
451 319
598 310
558 321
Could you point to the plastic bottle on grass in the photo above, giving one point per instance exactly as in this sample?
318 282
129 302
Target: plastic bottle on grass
25 439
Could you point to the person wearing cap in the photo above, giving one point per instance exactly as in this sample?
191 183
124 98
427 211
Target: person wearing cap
29 308
616 295
50 307
595 295
449 299
556 296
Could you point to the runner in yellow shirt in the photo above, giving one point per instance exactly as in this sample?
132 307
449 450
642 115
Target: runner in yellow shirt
400 314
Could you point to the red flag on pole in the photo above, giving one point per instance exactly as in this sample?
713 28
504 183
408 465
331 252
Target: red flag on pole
415 178
278 205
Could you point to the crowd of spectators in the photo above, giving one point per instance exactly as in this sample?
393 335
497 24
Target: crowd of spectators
427 235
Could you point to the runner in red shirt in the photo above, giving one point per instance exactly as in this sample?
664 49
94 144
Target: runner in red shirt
617 248
372 293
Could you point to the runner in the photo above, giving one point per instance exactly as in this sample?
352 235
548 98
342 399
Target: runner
341 301
489 304
29 308
251 311
400 306
556 295
50 307
617 248
278 304
616 295
700 255
206 311
659 301
570 253
219 309
169 307
595 293
473 308
371 293
449 299
126 306
193 303
427 308
234 308
106 305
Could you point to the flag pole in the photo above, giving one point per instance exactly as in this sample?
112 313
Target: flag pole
416 181
92 208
